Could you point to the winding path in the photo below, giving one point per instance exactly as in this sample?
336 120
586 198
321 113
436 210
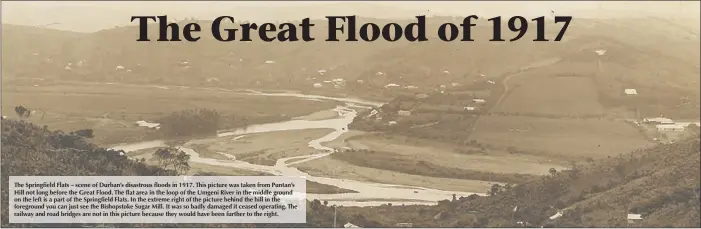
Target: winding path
368 194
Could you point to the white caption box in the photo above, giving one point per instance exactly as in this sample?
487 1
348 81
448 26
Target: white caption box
157 199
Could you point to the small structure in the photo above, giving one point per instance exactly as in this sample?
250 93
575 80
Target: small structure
405 225
633 218
659 120
557 215
630 91
404 113
349 225
392 123
670 128
479 100
469 108
120 67
391 85
148 124
317 85
269 62
601 52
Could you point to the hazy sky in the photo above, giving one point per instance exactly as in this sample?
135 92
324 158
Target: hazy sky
89 16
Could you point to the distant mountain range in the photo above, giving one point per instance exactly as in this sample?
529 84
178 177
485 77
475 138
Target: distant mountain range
645 53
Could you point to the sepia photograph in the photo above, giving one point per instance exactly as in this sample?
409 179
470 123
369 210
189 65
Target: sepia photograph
378 114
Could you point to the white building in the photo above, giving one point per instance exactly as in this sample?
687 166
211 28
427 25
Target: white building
632 218
318 85
630 91
404 113
670 127
349 225
469 108
391 85
478 100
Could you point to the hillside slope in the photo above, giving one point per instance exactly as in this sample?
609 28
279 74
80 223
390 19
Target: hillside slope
643 57
244 63
30 150
27 49
660 183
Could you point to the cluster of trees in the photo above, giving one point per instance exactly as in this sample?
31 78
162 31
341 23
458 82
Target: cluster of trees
23 112
193 122
173 158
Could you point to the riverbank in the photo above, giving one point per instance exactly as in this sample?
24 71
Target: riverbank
365 192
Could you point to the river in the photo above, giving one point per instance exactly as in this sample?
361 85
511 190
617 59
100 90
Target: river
367 193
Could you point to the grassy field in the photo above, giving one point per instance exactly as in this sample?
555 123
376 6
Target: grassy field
111 109
565 96
263 148
329 167
562 138
394 159
450 156
408 165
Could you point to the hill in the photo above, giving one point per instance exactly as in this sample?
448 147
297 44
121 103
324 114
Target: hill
647 59
660 183
28 49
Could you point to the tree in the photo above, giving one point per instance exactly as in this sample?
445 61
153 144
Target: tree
553 172
22 112
494 190
173 158
86 133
